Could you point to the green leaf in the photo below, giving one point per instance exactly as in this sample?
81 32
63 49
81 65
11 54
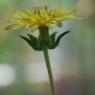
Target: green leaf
52 40
26 39
33 42
53 36
56 43
60 36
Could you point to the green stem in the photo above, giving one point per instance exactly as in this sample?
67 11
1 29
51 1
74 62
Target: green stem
49 70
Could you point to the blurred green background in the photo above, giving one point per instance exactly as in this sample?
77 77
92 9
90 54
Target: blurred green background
23 70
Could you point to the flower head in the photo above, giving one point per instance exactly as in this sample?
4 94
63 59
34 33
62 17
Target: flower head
41 16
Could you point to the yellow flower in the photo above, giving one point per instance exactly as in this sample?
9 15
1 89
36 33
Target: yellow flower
41 16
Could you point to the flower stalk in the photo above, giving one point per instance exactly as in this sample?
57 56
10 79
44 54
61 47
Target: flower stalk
49 70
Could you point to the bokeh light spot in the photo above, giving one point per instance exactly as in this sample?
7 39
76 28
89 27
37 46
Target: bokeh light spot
7 75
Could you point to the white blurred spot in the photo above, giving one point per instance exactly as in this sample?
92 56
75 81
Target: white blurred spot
7 75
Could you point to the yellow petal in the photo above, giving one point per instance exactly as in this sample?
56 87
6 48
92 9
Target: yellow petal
21 15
